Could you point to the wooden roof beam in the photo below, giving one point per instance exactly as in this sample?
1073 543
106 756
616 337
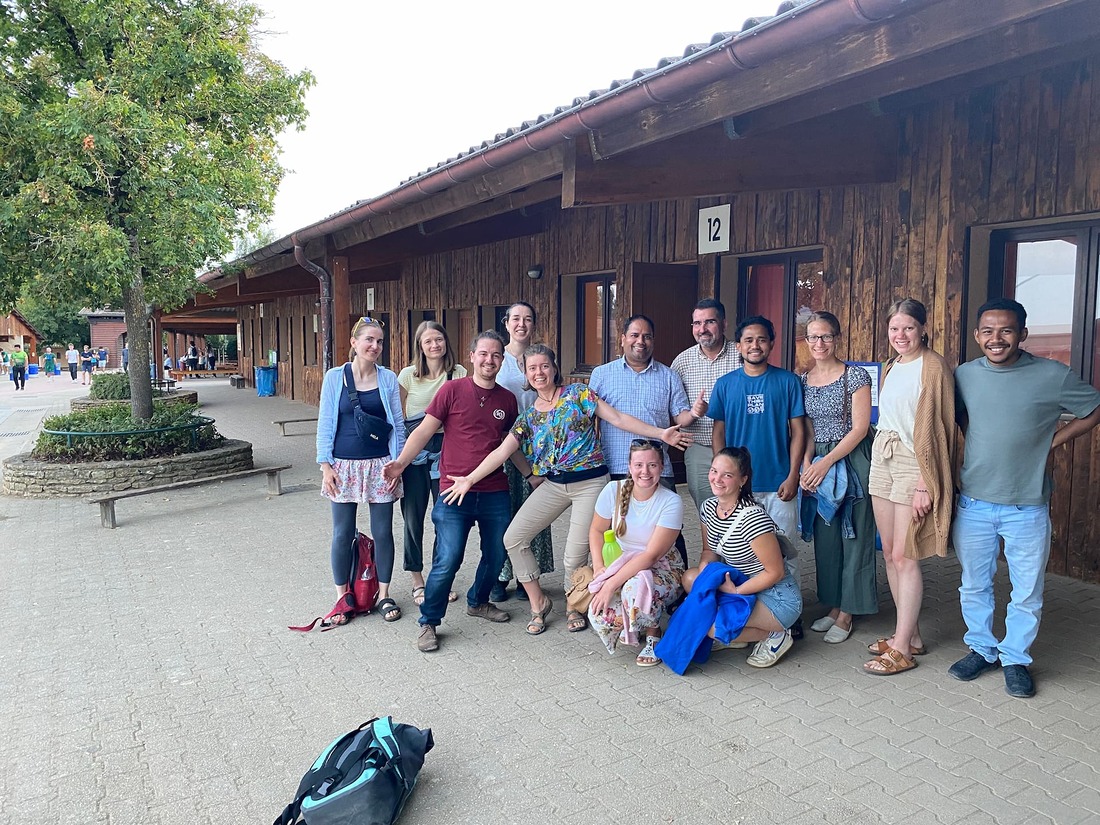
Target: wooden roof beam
817 67
533 169
851 147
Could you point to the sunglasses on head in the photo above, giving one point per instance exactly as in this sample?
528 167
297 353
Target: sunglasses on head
374 322
646 444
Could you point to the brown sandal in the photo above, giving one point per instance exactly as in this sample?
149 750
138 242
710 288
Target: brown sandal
890 663
575 621
881 646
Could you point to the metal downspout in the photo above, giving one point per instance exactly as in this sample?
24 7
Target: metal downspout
322 275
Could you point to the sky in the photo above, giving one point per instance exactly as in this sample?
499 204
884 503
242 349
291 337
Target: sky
403 86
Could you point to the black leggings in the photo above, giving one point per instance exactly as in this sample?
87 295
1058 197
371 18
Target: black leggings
343 532
72 370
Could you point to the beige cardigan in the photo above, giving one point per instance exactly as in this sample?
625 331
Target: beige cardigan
935 441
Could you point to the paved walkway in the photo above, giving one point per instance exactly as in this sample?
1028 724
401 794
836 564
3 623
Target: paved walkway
148 677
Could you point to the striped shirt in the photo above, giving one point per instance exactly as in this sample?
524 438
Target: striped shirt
654 395
734 546
699 375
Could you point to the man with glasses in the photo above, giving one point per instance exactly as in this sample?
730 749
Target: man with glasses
759 407
477 413
638 385
700 367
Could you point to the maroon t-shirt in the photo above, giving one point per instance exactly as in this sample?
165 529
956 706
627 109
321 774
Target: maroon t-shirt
475 422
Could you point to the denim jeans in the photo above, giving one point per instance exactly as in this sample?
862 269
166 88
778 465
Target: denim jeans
977 533
453 522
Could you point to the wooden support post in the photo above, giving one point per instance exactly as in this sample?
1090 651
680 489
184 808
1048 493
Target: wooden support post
107 514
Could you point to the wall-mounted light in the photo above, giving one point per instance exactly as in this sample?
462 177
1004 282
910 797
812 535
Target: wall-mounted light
534 272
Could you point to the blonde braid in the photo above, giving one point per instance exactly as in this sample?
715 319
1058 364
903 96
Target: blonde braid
626 489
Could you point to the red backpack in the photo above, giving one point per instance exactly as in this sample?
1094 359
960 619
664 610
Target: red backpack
362 587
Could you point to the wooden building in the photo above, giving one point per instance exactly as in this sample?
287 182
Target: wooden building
15 329
847 154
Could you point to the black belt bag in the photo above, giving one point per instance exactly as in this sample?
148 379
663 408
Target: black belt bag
371 429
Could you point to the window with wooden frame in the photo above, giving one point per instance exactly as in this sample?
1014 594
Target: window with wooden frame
1052 271
596 298
784 288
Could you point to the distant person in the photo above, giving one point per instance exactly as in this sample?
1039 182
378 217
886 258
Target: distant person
1009 405
87 364
101 357
192 357
125 358
3 361
49 363
211 358
72 359
18 360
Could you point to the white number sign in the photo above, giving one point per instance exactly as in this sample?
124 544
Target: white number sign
714 229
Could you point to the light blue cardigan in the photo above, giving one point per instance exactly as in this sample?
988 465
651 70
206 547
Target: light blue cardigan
331 390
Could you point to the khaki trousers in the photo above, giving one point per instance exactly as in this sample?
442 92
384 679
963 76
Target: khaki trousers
546 503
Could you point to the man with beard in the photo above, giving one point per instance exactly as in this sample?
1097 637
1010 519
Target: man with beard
1009 404
759 407
477 413
638 385
700 367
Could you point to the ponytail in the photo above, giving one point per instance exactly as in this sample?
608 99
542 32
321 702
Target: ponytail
626 490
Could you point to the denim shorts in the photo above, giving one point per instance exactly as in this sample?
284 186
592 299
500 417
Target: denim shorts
784 600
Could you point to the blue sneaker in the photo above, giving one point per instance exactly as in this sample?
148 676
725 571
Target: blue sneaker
770 650
970 667
1018 681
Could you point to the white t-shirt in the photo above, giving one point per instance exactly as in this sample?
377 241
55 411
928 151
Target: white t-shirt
897 401
663 509
511 377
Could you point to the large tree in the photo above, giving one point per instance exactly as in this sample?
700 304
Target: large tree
137 140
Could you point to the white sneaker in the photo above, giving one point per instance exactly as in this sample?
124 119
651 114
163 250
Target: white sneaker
770 650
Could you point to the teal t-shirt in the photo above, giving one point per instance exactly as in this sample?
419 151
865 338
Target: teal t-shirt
1012 414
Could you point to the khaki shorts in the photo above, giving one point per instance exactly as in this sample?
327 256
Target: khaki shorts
894 470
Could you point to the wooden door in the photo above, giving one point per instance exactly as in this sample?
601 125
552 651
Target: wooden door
667 293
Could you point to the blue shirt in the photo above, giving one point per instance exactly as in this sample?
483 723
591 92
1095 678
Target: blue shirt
654 395
757 411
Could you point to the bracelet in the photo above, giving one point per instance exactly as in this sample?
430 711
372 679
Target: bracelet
919 490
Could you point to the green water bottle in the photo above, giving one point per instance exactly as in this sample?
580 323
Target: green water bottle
611 548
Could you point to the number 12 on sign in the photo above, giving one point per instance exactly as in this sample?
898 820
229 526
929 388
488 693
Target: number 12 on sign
714 229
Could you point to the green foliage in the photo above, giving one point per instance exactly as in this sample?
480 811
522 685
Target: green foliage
110 386
58 321
113 418
138 138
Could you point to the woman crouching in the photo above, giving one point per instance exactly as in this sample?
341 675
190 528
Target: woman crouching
629 595
739 534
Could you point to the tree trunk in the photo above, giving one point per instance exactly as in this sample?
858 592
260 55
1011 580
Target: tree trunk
137 339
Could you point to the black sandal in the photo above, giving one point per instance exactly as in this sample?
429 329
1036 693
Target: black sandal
388 609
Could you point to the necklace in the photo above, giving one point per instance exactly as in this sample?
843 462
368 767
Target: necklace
725 512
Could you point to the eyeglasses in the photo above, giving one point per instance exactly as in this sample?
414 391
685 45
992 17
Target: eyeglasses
825 339
646 444
709 322
374 322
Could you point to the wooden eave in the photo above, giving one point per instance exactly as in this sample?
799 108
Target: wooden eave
900 54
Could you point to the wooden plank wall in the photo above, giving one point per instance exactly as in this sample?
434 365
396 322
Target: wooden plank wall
1023 149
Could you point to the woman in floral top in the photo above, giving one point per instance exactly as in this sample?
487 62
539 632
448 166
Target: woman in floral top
559 438
838 408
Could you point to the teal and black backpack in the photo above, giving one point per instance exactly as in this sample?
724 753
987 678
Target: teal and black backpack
363 778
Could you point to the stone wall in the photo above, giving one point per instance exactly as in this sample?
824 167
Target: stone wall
181 397
24 476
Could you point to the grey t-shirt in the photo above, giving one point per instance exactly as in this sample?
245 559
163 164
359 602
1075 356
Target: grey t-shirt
1012 414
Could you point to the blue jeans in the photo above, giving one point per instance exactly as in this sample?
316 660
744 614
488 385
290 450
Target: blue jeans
977 533
453 522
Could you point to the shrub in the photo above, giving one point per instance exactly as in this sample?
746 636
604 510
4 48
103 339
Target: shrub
110 386
139 443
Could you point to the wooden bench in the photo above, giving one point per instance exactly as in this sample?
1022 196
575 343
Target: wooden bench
164 384
237 382
282 424
179 375
107 503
